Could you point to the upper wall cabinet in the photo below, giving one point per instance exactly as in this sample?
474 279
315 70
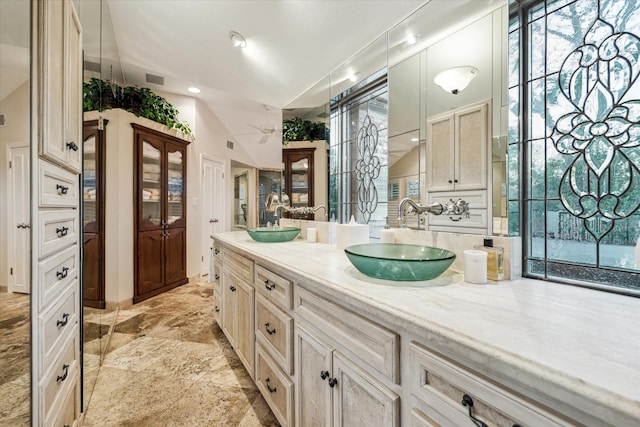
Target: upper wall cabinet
457 149
62 88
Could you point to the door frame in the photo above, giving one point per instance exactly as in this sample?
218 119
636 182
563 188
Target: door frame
11 234
205 244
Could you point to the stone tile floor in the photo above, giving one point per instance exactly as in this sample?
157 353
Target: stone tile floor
15 367
169 364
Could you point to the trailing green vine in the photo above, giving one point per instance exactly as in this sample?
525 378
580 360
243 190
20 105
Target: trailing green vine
103 95
298 129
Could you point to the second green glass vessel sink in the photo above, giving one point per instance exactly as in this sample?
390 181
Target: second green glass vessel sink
392 261
273 234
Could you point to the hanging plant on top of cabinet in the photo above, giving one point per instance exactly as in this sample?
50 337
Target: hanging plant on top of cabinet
104 95
298 129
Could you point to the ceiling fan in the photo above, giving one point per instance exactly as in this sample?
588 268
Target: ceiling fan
267 130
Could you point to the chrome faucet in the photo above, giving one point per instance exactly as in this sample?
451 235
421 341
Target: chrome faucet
302 210
458 207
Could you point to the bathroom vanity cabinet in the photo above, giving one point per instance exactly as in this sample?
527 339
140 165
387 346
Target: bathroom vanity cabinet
238 306
55 218
333 347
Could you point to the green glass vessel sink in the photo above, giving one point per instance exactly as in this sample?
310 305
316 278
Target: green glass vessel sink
392 261
273 234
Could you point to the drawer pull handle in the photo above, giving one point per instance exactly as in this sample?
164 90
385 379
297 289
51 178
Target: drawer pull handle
72 146
63 377
269 331
61 232
62 189
455 219
269 285
333 382
216 251
271 389
62 274
216 276
64 321
324 374
217 309
232 288
467 402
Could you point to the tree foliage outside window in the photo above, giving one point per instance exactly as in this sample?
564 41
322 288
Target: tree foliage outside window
575 123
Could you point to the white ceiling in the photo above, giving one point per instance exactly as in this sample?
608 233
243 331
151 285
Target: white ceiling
292 45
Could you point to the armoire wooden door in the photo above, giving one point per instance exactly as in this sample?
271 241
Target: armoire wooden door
298 178
93 191
160 225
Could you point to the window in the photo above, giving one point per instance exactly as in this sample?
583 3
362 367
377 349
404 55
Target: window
574 108
358 168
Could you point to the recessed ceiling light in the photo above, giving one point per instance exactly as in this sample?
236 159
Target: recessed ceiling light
237 40
414 139
194 90
412 39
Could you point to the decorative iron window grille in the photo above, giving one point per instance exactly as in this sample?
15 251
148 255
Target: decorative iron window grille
575 125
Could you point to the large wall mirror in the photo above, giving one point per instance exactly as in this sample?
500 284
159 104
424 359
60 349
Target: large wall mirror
15 217
445 34
101 62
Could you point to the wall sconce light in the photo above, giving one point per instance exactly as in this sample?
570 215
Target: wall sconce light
237 40
454 80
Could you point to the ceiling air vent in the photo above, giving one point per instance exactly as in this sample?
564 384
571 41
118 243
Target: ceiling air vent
3 119
156 80
92 66
230 145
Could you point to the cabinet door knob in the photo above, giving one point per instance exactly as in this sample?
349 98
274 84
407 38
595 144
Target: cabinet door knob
216 251
216 276
64 321
467 402
72 146
333 382
324 374
63 377
62 189
232 288
267 327
217 309
450 182
268 383
269 285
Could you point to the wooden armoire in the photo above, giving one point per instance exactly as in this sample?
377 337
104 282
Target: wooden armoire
160 226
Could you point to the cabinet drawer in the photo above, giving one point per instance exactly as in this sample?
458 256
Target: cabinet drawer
352 334
55 273
276 288
275 386
56 324
240 265
58 186
419 419
441 384
69 410
60 376
57 230
217 308
274 330
477 219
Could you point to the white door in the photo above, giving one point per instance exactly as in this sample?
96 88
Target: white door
19 217
213 206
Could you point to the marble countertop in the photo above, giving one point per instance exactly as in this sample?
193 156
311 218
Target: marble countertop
569 340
